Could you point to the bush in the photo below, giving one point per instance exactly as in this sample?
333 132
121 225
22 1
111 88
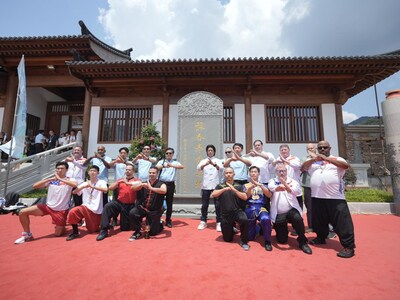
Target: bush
151 137
368 195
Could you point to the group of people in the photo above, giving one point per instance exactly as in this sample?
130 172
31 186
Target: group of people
259 192
41 142
134 199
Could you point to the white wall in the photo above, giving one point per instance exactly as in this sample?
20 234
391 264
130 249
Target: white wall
258 124
158 117
329 125
240 125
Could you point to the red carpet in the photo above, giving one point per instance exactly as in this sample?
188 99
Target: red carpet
184 263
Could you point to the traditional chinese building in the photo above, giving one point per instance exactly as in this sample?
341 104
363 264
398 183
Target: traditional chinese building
79 82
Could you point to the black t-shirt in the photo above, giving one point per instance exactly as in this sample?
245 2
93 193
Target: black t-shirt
155 201
229 201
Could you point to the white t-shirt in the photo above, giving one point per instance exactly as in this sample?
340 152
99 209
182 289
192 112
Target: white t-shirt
77 170
283 201
211 176
59 194
266 167
92 198
326 179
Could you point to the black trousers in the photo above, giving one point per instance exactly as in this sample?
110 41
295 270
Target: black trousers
228 222
169 198
337 213
307 202
281 226
153 218
112 209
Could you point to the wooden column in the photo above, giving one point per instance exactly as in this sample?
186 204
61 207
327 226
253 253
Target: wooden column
248 120
340 131
9 108
165 119
86 121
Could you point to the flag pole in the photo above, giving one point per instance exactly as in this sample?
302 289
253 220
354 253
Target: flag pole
12 136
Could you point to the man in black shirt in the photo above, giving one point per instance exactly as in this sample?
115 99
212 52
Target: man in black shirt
233 201
150 205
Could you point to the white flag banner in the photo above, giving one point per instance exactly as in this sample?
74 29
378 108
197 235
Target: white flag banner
20 122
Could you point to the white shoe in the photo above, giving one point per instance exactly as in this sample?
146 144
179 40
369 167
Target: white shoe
235 230
202 225
26 236
218 227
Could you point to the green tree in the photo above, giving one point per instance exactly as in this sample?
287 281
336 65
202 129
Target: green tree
149 136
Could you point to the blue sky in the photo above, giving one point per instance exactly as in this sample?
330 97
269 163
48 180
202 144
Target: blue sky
235 28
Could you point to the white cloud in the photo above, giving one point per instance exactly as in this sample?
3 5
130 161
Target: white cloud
200 28
348 117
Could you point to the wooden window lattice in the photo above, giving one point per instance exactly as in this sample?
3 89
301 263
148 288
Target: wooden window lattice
123 124
229 122
291 124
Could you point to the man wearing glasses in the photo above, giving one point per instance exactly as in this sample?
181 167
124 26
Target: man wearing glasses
285 208
168 167
144 161
328 200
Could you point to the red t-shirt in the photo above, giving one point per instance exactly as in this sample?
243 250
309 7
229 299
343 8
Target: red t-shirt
125 193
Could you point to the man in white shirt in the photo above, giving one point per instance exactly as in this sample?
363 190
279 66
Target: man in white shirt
285 208
238 163
92 206
328 199
76 170
143 162
263 160
58 196
210 167
39 141
168 167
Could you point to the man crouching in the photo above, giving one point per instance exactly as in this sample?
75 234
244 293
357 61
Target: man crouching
57 203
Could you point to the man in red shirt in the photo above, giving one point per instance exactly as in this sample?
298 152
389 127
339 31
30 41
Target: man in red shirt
127 195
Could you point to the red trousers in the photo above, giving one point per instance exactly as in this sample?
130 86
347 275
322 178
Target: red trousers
92 220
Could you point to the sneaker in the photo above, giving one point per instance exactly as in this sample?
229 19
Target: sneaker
102 235
244 246
331 235
346 253
268 246
169 224
72 236
235 230
135 236
202 225
218 227
26 236
293 233
309 230
317 241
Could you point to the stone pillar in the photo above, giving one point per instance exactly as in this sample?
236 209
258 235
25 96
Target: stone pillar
200 121
9 108
86 121
391 115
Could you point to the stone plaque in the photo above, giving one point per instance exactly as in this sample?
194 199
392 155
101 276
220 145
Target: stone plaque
200 116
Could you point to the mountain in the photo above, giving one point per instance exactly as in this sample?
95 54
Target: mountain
366 121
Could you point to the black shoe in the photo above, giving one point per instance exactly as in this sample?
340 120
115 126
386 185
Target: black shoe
309 230
346 253
317 241
135 236
102 235
293 233
72 236
306 249
331 235
268 246
169 224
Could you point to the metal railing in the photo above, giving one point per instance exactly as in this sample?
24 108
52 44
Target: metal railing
28 170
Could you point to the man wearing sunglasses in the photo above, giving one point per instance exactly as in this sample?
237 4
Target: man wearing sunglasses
328 199
168 167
